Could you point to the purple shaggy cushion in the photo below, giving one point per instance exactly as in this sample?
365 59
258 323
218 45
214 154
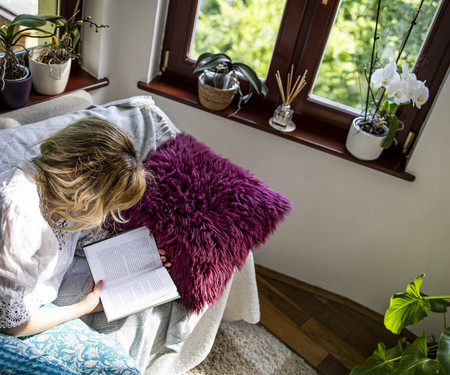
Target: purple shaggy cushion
207 213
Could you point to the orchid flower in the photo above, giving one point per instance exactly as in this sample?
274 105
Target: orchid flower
383 77
398 90
421 94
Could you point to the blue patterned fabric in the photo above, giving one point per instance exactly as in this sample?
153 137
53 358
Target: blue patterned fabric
84 350
18 357
69 348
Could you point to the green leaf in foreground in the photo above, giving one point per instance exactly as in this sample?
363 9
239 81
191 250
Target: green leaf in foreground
379 363
444 351
415 360
407 308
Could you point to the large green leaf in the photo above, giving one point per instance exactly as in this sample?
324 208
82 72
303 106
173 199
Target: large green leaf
415 360
407 308
444 350
212 61
28 20
379 363
251 76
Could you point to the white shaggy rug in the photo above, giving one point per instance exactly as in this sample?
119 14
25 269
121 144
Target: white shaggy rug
241 348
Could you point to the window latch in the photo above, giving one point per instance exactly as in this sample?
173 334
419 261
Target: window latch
165 62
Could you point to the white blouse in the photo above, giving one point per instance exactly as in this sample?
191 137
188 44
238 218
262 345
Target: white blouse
34 256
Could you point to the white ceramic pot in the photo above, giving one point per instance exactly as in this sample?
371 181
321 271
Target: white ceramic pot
362 145
49 79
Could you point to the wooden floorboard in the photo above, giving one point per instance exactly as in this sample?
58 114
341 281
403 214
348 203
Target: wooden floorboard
329 331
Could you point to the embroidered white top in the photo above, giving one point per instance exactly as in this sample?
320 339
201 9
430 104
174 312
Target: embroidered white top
33 255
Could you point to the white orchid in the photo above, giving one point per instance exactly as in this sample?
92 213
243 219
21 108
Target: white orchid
385 76
420 94
401 88
398 90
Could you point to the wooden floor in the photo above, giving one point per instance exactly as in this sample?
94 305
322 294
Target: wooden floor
330 332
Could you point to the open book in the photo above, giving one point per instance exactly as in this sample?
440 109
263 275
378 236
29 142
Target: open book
135 278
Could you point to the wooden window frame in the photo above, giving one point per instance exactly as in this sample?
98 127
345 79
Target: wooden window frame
301 43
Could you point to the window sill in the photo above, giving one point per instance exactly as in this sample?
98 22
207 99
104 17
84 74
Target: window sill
308 132
79 80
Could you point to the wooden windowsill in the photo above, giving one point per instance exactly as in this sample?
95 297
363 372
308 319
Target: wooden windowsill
79 80
307 132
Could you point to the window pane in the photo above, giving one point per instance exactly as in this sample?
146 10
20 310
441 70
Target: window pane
35 7
246 30
341 74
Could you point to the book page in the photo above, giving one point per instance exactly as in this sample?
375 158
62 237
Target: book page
121 256
138 293
135 278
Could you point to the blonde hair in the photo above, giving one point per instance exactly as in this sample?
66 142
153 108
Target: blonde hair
88 170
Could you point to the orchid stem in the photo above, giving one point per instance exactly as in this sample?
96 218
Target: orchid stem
372 60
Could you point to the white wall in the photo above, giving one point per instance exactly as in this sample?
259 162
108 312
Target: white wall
355 231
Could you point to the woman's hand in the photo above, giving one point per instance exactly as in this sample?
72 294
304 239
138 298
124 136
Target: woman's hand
165 259
45 318
92 300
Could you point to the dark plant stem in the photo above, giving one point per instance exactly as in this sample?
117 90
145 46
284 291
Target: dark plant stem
372 59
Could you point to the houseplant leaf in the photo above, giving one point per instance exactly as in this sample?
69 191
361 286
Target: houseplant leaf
415 360
376 364
392 126
28 20
57 20
212 62
251 76
443 352
407 308
437 305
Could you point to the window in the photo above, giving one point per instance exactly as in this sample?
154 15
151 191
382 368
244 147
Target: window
301 40
9 9
246 30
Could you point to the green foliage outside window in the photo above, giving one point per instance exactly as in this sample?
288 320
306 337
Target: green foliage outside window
341 74
246 30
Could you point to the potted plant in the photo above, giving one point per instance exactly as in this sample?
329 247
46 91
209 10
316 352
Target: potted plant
51 64
420 357
218 82
375 129
15 76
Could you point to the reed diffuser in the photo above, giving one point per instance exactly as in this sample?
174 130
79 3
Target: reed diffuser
282 117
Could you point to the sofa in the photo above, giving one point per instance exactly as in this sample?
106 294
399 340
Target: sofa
167 339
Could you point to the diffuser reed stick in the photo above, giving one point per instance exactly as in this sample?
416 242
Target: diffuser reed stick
291 90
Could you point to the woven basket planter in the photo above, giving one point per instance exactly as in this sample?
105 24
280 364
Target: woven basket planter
213 98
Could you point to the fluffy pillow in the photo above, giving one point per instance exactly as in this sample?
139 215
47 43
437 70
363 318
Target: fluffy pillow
207 213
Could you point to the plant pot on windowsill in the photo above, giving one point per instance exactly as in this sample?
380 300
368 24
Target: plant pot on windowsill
214 98
48 79
16 92
363 145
